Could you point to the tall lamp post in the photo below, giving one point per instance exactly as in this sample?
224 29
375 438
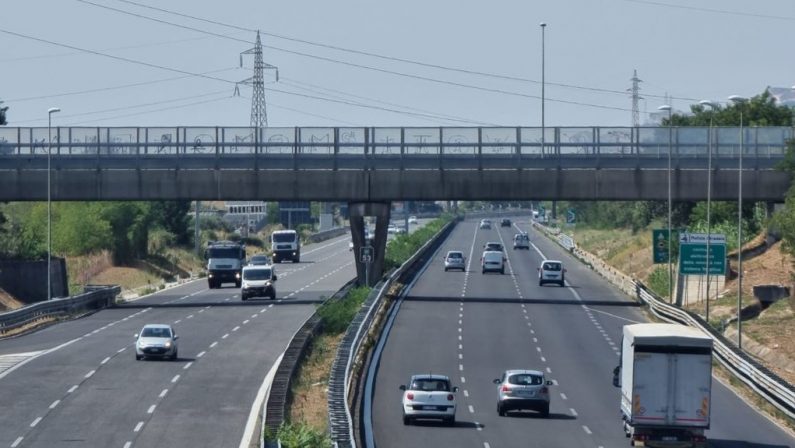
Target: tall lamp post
543 85
670 235
712 106
740 101
50 111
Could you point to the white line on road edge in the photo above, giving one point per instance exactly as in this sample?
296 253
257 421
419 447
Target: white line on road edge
262 395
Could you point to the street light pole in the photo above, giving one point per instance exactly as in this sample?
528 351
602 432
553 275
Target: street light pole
50 111
543 85
670 234
740 101
712 107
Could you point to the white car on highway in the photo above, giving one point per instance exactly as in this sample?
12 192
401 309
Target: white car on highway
156 340
429 396
551 271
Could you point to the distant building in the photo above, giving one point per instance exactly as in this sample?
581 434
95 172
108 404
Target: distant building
240 212
294 213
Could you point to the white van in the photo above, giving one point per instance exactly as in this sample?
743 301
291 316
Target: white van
551 271
492 261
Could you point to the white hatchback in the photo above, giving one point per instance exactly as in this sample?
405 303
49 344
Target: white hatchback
156 340
492 261
429 396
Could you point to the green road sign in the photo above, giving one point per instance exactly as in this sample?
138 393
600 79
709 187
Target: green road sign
693 259
660 245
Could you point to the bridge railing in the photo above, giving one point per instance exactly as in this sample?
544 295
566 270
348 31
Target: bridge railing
447 142
774 389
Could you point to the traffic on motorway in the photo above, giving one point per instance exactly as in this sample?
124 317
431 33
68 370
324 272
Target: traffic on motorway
506 361
204 356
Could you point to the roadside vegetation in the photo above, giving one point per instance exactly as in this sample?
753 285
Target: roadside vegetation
307 425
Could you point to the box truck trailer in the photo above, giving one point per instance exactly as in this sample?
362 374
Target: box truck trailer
665 378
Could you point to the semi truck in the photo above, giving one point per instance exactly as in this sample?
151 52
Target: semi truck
225 261
286 245
665 378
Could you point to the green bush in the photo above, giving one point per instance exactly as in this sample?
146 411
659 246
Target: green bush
658 281
403 246
299 435
338 314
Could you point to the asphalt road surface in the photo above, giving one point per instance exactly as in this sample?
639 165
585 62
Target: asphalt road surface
77 383
472 326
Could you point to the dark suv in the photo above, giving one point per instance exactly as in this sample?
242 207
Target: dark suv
505 222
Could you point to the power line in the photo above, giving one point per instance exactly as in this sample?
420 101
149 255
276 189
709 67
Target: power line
135 106
118 58
718 11
312 87
151 111
338 48
119 87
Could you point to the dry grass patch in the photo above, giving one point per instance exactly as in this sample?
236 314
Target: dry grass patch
310 387
126 277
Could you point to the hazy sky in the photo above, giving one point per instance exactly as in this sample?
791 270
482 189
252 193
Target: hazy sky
690 49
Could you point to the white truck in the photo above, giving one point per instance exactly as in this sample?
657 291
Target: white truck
286 245
665 378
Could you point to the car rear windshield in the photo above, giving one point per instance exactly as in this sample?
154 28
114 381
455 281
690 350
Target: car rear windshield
156 333
455 255
551 266
257 274
430 385
260 259
494 246
521 237
525 379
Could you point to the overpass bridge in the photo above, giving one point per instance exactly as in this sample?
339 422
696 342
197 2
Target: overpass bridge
386 164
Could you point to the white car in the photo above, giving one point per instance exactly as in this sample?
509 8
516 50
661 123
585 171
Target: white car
392 229
492 261
521 241
258 282
412 220
485 224
156 340
551 271
429 396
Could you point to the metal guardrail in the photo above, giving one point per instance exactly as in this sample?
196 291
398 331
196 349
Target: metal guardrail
762 380
327 234
276 407
94 297
340 422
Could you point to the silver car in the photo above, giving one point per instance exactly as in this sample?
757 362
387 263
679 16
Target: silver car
485 224
156 340
455 260
522 390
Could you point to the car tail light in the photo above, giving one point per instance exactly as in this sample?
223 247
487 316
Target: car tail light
410 396
450 397
505 388
641 437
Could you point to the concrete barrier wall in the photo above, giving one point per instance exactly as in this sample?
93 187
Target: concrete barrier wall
27 280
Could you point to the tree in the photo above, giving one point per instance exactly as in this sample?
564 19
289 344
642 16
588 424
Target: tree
3 110
173 217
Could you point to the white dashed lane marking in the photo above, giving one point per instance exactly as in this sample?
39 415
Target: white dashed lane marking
151 409
35 422
138 426
163 393
72 389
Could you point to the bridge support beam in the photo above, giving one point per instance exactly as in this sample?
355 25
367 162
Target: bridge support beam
357 212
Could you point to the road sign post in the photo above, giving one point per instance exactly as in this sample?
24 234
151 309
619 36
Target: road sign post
571 216
660 245
366 257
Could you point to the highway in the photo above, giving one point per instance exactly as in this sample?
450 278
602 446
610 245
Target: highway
472 327
77 383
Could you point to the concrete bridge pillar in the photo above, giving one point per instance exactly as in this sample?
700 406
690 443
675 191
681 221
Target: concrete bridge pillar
357 211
